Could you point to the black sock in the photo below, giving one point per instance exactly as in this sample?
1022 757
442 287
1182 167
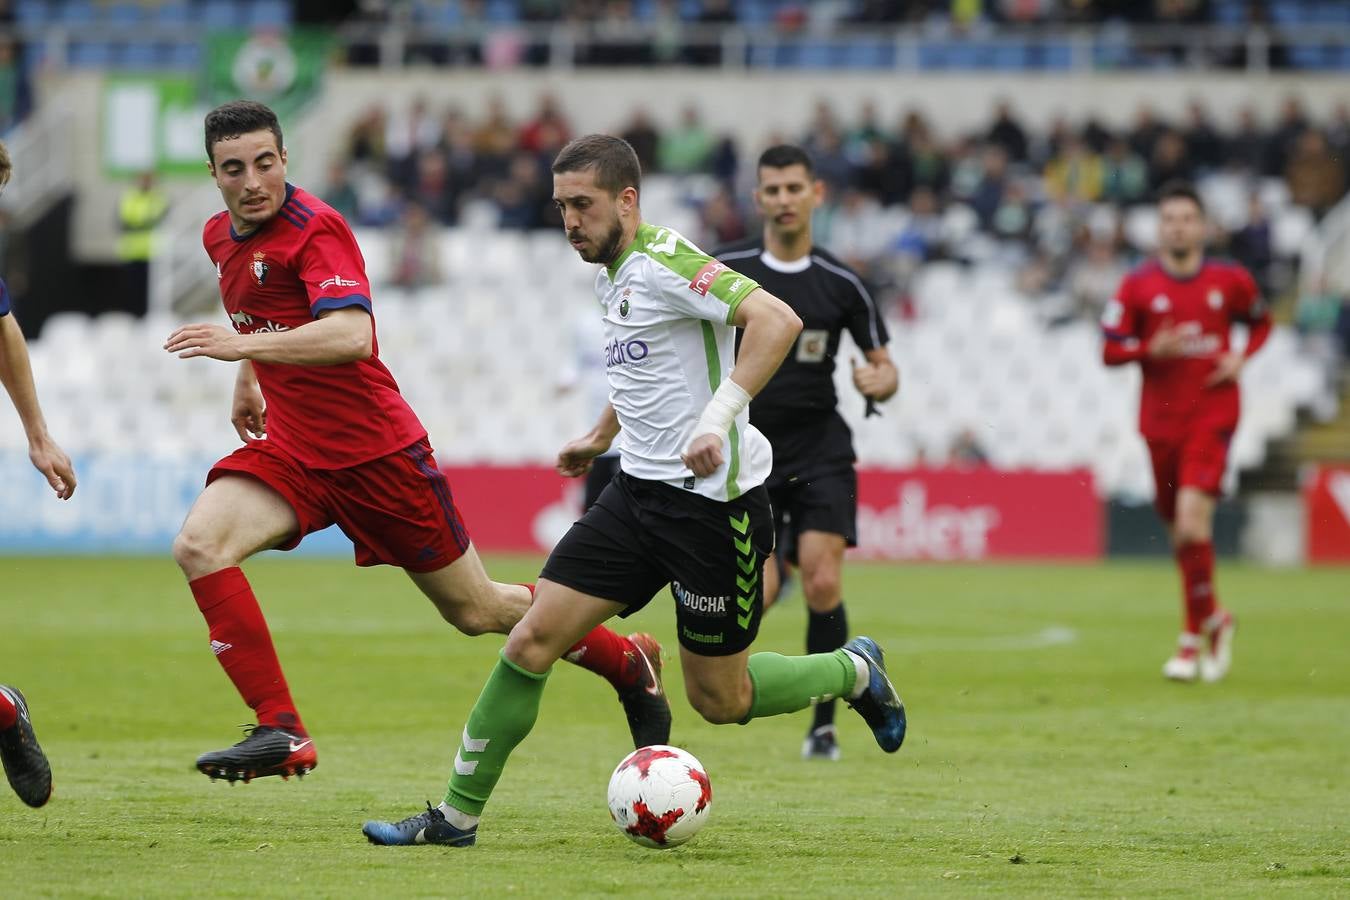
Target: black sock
825 632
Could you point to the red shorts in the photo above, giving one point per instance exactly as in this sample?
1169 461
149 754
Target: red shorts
1196 460
397 510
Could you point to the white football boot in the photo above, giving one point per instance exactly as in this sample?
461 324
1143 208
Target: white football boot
1218 630
1185 663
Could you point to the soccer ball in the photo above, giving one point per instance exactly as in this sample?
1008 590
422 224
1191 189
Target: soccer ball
659 796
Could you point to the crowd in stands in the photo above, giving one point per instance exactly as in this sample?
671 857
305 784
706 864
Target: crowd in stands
1052 203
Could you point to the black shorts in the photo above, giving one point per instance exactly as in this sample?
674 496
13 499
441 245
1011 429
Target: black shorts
826 502
642 535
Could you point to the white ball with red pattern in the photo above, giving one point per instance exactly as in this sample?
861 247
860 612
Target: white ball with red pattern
659 796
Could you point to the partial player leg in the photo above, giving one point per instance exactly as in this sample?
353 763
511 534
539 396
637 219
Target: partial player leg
25 764
821 554
1212 626
469 600
1184 663
235 517
501 718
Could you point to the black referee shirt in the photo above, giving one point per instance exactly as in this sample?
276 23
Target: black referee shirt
797 408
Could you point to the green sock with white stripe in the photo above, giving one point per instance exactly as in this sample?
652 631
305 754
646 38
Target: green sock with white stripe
504 713
784 684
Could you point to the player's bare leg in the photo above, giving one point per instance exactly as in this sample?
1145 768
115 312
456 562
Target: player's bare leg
503 715
821 555
466 598
1192 537
235 517
469 600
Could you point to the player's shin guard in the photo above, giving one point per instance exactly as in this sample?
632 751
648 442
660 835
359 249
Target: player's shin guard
243 646
784 684
825 632
1196 561
504 713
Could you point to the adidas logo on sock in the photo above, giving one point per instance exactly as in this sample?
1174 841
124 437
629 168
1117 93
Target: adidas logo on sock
219 647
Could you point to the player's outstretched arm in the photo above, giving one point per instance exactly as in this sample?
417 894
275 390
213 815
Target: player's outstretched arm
574 459
338 336
16 374
770 327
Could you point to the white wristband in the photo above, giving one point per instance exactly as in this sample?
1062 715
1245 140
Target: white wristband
721 412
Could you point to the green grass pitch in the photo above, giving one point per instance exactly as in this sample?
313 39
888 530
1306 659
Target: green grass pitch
1046 755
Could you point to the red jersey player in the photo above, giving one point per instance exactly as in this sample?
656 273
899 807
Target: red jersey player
328 439
25 764
1173 316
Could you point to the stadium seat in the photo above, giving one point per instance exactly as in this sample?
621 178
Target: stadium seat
32 13
268 14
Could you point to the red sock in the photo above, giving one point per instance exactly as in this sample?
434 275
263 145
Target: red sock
1196 561
243 646
609 655
9 713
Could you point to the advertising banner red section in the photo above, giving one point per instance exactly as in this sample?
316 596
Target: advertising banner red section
924 514
970 514
1326 497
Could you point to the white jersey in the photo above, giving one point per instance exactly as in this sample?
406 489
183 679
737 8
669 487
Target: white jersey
669 343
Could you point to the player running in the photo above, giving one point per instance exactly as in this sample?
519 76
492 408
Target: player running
328 439
1173 315
813 487
25 764
688 507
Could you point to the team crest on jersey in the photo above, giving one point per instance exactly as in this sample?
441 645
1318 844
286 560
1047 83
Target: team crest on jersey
624 306
258 268
1161 303
1215 299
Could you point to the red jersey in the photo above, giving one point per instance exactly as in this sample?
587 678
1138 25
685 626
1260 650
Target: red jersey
1204 306
301 263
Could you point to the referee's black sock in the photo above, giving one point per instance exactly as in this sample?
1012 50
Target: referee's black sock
825 632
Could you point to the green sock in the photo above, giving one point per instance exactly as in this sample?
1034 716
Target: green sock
784 684
500 719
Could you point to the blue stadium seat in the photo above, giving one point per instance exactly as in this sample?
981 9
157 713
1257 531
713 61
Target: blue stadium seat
867 54
934 55
221 14
1057 56
1287 12
76 12
268 14
32 12
438 12
90 55
501 11
173 13
1309 57
139 55
1008 55
184 55
125 13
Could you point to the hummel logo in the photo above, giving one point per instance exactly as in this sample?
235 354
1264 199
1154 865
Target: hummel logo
219 647
300 745
337 281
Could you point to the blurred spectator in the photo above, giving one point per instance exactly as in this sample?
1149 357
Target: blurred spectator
855 230
987 197
1007 132
1316 179
1124 174
1145 132
340 193
16 97
140 210
525 197
1169 161
547 132
966 452
644 138
687 147
433 188
1093 279
1252 244
1293 122
1075 174
366 139
1245 148
927 163
495 139
414 258
827 152
1203 144
1013 217
720 220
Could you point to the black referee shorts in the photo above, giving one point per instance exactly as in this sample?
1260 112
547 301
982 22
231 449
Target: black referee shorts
642 535
827 502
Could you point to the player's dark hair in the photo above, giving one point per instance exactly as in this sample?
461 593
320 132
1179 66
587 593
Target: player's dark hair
1178 189
780 156
238 117
613 160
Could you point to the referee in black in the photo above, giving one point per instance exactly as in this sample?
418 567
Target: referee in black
813 486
